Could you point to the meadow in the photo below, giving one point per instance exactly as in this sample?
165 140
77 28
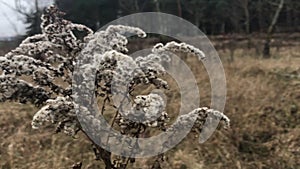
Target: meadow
263 101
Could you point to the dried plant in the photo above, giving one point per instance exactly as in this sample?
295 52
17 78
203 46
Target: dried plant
41 71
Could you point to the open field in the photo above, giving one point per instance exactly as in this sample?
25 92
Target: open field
263 102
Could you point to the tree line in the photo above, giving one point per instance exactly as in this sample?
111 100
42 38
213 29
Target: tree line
213 17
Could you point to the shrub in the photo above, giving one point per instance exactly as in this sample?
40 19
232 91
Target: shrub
42 71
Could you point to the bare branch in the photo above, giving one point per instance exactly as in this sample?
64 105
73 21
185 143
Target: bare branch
17 8
273 3
274 20
13 25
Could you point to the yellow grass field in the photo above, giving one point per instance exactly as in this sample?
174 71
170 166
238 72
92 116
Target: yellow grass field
263 102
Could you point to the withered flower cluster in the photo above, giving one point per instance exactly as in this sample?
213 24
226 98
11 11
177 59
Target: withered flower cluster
53 69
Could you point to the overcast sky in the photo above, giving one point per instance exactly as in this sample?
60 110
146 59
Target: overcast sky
12 23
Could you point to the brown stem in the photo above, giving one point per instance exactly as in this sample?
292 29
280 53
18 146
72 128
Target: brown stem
115 117
117 112
137 136
103 105
104 154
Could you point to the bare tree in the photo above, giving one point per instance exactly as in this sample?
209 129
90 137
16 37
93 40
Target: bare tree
29 10
266 51
245 6
195 8
133 6
179 8
157 5
13 25
18 7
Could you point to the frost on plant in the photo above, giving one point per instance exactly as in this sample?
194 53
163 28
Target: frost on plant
42 71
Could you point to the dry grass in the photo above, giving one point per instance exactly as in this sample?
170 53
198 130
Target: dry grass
263 103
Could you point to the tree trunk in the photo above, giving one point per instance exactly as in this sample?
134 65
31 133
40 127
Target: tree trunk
136 5
289 18
247 17
247 22
266 52
296 19
157 6
260 16
222 28
197 20
179 8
